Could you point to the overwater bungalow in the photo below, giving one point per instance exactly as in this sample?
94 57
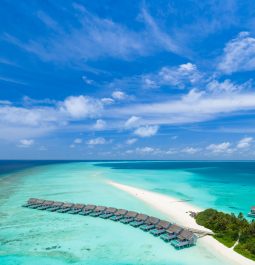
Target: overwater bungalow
30 202
65 207
37 204
108 212
171 233
139 220
98 211
55 206
252 212
45 205
150 223
160 228
129 217
184 239
87 209
76 208
119 214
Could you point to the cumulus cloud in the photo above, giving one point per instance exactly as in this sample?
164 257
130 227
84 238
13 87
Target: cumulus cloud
146 131
146 149
227 86
119 95
244 142
190 150
26 143
96 141
178 77
219 148
100 124
239 54
133 121
107 101
82 106
131 141
40 117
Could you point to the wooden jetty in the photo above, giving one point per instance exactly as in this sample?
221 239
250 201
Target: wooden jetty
178 236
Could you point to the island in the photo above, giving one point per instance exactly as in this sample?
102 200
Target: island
233 231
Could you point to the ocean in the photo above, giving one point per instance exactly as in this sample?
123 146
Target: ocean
39 237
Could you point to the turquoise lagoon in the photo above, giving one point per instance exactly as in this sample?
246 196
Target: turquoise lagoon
36 237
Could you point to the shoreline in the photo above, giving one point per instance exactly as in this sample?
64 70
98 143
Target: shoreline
178 211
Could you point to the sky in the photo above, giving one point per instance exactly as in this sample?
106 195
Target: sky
127 79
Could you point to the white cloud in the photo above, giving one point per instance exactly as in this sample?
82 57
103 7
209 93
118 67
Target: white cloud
96 141
148 82
171 151
146 131
133 121
158 36
26 143
5 102
219 148
82 106
131 141
107 101
226 86
77 141
100 124
239 54
197 106
87 80
47 20
190 150
92 37
244 142
119 95
146 149
179 77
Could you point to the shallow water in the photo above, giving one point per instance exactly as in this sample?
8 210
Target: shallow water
38 237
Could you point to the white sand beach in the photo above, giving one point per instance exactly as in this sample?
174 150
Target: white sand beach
178 211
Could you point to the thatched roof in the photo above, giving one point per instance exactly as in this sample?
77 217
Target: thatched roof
111 210
89 207
57 204
48 202
131 214
100 208
152 220
33 200
67 205
174 229
39 201
186 235
141 217
121 212
78 206
163 224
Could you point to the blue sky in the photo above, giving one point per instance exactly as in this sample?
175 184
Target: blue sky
127 79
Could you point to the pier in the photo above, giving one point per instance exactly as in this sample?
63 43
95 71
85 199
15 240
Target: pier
177 236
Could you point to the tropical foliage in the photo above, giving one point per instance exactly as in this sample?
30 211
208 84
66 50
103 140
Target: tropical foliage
229 229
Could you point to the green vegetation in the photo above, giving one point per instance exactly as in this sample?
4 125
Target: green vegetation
229 229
